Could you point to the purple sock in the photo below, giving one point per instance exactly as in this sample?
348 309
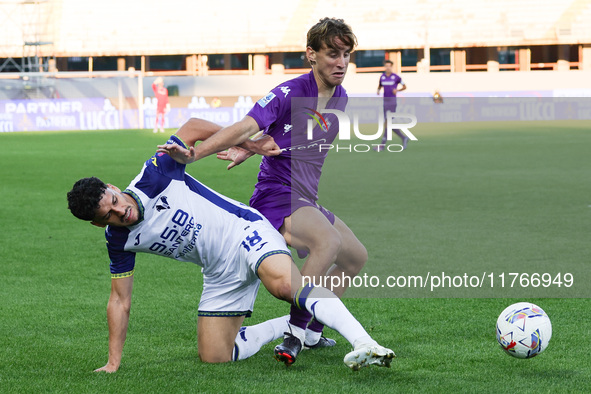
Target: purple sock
399 134
316 326
299 317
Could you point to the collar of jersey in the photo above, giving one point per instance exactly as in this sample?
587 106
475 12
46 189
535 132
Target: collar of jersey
139 203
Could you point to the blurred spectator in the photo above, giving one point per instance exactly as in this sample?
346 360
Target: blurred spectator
216 102
163 106
197 103
437 99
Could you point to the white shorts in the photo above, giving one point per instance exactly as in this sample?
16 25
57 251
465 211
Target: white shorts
233 292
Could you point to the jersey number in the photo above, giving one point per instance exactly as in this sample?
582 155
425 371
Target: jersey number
252 241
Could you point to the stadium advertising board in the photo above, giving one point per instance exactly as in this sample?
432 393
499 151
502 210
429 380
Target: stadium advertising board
102 114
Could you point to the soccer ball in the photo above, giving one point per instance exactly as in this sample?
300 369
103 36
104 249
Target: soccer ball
524 330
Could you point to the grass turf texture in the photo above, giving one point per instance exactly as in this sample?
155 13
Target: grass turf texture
56 284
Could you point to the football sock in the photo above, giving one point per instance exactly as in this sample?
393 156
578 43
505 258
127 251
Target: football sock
299 317
364 341
328 309
398 133
297 332
313 332
250 338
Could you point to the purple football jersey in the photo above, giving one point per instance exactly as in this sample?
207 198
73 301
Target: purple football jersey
389 82
284 114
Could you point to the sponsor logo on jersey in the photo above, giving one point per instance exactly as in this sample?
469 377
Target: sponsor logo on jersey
266 100
287 128
285 90
162 204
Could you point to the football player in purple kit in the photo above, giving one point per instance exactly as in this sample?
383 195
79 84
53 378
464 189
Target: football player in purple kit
390 81
287 188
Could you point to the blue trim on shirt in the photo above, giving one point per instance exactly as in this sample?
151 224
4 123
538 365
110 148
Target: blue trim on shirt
219 201
121 261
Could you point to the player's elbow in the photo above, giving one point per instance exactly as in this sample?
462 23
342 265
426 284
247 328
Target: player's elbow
195 125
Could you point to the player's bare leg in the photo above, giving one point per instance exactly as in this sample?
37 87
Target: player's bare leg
215 337
156 123
308 229
280 276
350 260
161 121
335 257
222 339
384 141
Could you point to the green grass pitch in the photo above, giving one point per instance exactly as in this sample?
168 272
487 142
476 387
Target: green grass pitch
465 197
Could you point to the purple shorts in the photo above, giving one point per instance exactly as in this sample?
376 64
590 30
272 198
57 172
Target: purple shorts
389 104
277 201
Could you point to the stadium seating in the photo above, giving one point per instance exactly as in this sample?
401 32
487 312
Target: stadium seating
179 27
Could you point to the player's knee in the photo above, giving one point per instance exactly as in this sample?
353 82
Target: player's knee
214 357
354 260
361 256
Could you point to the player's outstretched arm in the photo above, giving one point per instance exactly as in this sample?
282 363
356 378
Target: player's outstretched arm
233 135
192 131
118 321
262 144
215 138
196 129
201 130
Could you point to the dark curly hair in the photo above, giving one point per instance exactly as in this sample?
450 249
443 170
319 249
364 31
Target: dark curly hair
327 30
84 198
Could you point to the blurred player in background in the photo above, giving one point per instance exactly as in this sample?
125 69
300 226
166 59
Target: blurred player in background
165 211
390 81
163 106
287 188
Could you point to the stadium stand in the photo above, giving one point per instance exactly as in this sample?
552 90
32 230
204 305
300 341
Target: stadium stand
151 28
221 51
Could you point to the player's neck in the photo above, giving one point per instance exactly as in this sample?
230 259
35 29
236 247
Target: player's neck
131 200
388 73
324 89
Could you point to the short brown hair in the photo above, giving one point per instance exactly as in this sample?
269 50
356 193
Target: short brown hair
327 30
388 62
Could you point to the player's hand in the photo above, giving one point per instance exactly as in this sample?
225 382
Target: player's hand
178 153
109 368
235 154
265 146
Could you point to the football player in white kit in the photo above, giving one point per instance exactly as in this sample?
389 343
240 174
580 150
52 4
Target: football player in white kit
167 212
